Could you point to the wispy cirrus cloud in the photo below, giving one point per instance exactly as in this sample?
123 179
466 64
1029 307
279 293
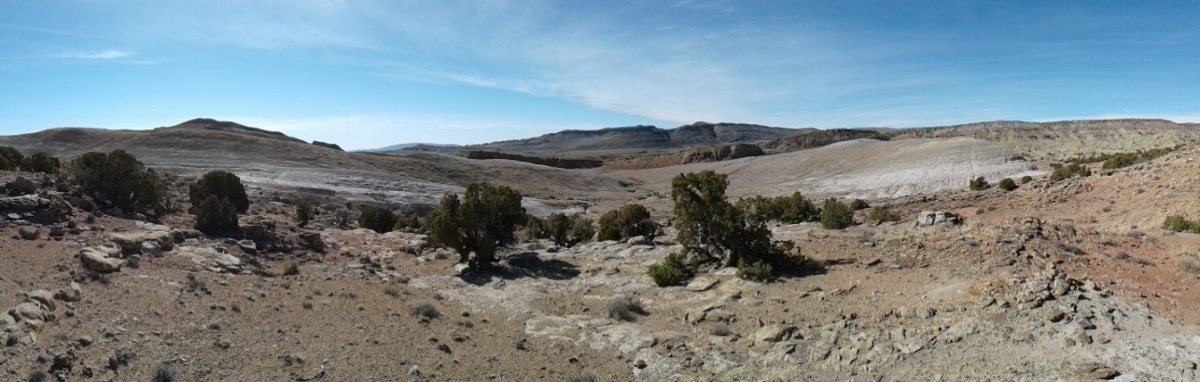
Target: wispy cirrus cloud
108 54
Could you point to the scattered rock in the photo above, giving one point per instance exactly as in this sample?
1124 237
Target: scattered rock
910 312
71 294
28 312
22 186
929 218
312 241
1056 315
1097 371
98 260
701 284
774 333
43 297
29 233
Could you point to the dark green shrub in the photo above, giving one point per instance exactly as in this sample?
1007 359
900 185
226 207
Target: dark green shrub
836 215
377 219
714 231
671 271
1069 171
1178 223
119 180
486 218
412 221
1026 179
979 184
582 229
1120 160
216 216
1006 184
535 229
40 162
10 158
304 213
568 231
223 185
859 204
759 271
882 214
631 220
710 228
791 209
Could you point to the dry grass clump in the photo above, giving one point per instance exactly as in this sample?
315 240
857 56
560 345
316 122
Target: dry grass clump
1188 262
425 309
290 268
626 308
720 330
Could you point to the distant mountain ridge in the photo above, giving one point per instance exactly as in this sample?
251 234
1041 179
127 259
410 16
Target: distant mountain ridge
618 141
416 146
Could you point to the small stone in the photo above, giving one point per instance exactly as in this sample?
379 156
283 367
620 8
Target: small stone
85 341
1057 315
1084 338
1087 324
1069 342
414 370
72 294
701 284
774 333
1097 371
640 364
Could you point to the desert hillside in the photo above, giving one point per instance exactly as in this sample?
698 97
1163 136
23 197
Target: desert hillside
1063 140
1071 279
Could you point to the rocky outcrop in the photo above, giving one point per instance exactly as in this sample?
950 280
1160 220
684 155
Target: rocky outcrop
931 218
101 259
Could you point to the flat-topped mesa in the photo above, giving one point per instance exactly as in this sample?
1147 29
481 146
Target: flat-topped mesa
618 141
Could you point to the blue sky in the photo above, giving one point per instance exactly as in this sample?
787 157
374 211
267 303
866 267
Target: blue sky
373 73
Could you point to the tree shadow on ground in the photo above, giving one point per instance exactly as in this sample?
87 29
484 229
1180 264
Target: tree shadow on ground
804 268
522 265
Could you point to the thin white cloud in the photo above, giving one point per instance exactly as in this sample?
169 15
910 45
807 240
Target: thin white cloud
109 54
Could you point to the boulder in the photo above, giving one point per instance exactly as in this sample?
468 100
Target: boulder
43 297
29 233
98 260
131 242
248 246
70 294
24 203
22 186
930 218
28 311
774 333
312 241
55 210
